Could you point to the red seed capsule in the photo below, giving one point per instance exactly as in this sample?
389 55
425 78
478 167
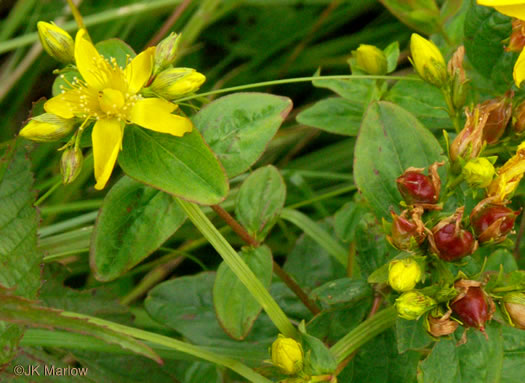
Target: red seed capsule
453 244
492 221
407 232
416 187
472 309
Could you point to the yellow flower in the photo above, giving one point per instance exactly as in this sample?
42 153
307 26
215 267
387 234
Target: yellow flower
403 274
371 59
428 60
56 42
519 69
287 354
478 172
509 176
108 94
512 8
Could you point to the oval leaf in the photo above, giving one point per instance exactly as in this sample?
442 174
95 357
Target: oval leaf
128 229
239 126
335 115
390 140
182 166
235 307
260 201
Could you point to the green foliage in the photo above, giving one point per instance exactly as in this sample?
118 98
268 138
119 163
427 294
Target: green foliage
236 309
391 140
238 127
123 234
185 167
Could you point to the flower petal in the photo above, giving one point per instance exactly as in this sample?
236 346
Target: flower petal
155 114
138 71
91 65
519 69
107 140
517 11
60 106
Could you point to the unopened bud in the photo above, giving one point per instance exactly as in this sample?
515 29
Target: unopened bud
404 274
479 172
412 304
428 60
47 127
371 59
287 354
71 164
459 83
176 82
515 306
166 52
469 142
56 42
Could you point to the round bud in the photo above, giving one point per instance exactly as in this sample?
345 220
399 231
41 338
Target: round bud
287 354
404 274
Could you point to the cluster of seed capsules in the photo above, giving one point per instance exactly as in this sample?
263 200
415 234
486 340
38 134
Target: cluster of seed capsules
450 239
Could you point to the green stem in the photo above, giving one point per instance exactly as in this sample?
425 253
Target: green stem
72 207
48 193
65 254
292 81
452 113
67 224
314 231
239 268
177 345
360 335
320 197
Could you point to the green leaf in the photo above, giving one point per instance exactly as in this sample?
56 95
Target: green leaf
235 307
21 261
239 126
335 115
513 368
346 221
123 234
185 304
421 15
390 140
260 201
485 29
182 166
22 311
319 360
392 55
424 101
344 290
116 48
411 335
479 360
501 257
359 92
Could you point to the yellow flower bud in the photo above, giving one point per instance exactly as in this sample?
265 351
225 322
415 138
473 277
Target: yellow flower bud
428 60
56 42
479 172
47 128
166 52
404 274
371 59
287 354
71 164
176 82
412 304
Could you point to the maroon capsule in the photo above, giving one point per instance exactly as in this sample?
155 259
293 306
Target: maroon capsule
493 222
416 187
405 232
499 112
453 244
472 309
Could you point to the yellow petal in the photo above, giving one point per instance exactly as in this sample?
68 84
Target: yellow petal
91 65
495 3
519 69
155 114
107 140
60 106
138 71
517 11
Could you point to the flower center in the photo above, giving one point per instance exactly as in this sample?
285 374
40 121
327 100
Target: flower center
111 101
